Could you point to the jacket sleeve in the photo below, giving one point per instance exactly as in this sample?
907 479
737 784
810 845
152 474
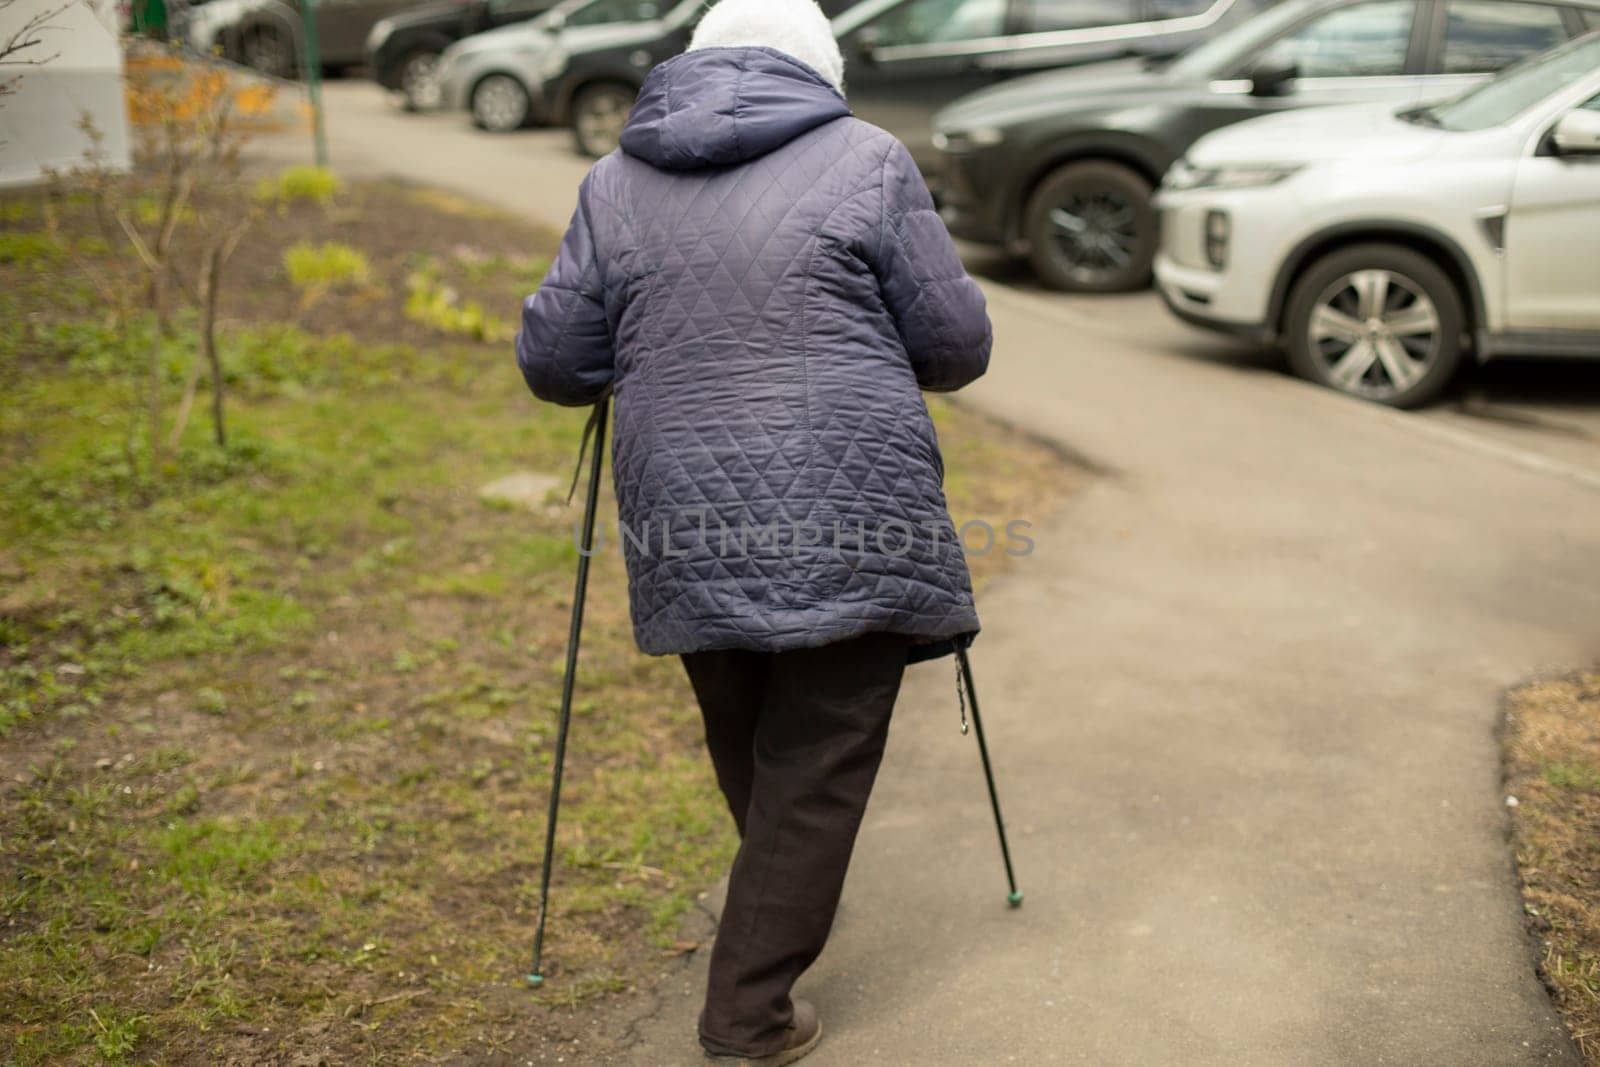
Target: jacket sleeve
564 347
938 309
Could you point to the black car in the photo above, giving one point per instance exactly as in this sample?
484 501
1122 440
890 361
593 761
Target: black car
403 50
1063 167
904 59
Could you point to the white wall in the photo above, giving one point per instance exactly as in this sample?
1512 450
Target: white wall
38 122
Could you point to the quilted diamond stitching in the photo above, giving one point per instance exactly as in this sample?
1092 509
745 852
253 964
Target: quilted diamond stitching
812 411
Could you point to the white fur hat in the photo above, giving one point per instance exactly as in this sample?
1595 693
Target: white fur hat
796 28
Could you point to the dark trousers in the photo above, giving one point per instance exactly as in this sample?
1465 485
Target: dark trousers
796 738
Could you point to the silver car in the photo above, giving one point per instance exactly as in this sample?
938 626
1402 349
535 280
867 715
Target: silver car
497 75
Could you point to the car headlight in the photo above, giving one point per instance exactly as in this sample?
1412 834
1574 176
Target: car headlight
378 34
959 141
1183 176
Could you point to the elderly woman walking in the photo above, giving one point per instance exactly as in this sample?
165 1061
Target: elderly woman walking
763 283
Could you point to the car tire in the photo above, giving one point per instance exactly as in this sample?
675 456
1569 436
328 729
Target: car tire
1380 322
268 50
598 115
1109 244
418 76
500 103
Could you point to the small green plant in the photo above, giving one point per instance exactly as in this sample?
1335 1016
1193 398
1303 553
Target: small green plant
317 269
316 185
117 1034
434 304
211 701
28 249
186 801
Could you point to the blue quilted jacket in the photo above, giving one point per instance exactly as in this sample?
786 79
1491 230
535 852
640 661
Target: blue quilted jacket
764 283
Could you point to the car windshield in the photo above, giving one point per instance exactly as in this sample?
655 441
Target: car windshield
1223 52
1501 99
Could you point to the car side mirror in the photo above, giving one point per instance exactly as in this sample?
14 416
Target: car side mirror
1273 79
867 44
556 22
1577 134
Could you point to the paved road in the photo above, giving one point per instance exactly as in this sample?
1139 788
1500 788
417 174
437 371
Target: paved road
1243 700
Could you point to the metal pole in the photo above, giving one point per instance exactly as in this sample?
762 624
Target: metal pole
574 635
1014 898
311 61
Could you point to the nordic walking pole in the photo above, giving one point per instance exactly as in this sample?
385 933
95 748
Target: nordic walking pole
1014 898
590 507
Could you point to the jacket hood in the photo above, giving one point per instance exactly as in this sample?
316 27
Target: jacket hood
720 106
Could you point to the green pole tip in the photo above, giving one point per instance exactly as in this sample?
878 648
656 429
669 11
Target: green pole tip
535 979
1014 899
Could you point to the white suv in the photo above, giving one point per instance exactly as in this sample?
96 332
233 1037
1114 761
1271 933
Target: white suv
1378 244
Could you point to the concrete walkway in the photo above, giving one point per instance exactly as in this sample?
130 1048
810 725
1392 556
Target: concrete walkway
1243 701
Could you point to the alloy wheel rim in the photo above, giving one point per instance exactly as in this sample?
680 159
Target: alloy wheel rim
1097 231
1375 333
420 81
602 121
498 103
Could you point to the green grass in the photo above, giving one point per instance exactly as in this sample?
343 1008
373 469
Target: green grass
206 855
118 1033
1581 777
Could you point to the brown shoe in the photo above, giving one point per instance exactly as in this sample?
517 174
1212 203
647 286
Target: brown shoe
803 1034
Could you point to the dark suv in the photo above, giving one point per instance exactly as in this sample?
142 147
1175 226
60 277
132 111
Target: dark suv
403 50
1063 167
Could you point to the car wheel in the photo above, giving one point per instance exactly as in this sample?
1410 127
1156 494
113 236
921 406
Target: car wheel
500 104
419 80
1091 229
598 115
269 50
1379 322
